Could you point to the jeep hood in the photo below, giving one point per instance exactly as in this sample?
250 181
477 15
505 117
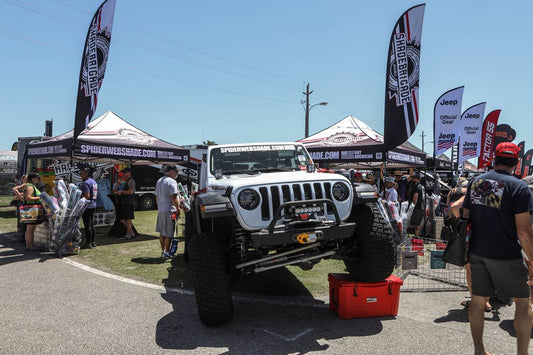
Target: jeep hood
239 180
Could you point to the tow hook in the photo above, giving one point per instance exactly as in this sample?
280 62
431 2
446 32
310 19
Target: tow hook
308 237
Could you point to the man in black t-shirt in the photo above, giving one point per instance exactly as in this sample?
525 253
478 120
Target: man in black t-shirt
499 206
417 198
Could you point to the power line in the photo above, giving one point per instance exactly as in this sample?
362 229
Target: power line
147 72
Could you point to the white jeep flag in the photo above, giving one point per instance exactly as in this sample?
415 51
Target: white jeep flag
470 142
447 120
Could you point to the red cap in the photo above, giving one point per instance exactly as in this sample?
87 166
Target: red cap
358 174
507 150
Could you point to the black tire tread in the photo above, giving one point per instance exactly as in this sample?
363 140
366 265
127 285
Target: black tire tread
211 280
375 257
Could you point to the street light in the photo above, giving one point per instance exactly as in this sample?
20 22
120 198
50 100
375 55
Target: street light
307 109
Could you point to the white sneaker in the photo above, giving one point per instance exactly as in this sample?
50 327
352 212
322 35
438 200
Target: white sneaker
166 255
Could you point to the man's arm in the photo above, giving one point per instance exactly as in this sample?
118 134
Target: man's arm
415 198
525 233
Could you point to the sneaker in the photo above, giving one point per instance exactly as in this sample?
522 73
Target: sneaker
93 244
162 254
167 255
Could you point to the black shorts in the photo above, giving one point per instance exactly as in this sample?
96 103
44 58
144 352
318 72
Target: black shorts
126 208
416 217
507 277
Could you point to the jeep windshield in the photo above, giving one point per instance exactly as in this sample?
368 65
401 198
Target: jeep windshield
251 159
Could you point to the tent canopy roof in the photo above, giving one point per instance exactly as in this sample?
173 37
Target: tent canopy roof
109 138
351 141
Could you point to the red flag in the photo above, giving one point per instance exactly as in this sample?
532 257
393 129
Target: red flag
403 70
487 139
93 64
518 170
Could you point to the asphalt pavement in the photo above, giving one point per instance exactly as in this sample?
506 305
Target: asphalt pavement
50 305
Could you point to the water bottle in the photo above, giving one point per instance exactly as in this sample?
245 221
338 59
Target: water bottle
174 246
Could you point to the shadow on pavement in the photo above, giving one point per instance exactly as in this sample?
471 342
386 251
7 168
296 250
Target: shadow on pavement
277 282
259 327
17 251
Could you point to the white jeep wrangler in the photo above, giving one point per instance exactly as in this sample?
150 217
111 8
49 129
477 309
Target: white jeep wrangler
263 206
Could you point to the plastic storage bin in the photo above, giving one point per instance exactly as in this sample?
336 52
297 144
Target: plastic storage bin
352 299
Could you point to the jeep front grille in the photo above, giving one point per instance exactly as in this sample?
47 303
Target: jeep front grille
272 197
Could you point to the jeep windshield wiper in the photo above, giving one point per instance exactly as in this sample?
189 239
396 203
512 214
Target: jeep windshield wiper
230 172
275 169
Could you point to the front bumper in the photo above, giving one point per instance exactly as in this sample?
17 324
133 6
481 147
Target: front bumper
265 238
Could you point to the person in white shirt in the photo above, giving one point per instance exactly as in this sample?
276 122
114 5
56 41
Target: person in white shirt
391 195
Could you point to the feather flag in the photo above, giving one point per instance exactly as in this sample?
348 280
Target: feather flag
93 64
487 139
470 140
447 120
403 70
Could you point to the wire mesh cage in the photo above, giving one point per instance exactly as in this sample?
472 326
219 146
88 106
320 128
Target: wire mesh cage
421 267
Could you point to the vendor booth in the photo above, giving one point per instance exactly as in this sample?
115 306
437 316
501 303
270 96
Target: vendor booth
350 142
107 141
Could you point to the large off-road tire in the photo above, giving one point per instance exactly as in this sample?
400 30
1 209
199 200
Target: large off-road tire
211 279
374 258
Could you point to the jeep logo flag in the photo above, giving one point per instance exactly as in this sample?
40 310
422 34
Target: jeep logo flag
470 140
447 117
93 64
403 69
487 139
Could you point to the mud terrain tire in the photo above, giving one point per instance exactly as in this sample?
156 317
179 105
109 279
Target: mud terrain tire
210 278
375 256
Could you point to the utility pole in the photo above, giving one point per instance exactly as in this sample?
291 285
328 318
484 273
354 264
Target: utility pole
423 135
307 93
308 108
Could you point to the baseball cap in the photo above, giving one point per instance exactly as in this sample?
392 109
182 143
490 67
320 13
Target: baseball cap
507 150
171 167
358 174
462 181
389 179
398 173
416 176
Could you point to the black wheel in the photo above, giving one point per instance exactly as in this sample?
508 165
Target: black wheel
211 279
147 202
374 257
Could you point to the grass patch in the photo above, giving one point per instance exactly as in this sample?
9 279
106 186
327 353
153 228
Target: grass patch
139 259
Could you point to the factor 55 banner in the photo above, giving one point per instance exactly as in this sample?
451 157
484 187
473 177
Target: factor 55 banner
447 119
487 139
93 64
470 141
402 82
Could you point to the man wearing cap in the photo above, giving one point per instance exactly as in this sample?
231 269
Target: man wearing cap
391 195
498 206
166 192
89 190
417 198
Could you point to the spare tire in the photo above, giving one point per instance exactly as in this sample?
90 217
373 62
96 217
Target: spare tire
374 257
210 279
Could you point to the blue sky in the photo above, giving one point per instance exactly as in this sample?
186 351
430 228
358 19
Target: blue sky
234 71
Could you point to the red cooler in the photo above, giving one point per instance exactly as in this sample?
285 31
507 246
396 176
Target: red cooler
352 299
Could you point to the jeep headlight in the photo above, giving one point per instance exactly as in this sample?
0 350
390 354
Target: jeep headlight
248 199
340 191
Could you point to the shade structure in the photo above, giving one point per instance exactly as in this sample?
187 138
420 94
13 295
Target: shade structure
351 141
109 138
